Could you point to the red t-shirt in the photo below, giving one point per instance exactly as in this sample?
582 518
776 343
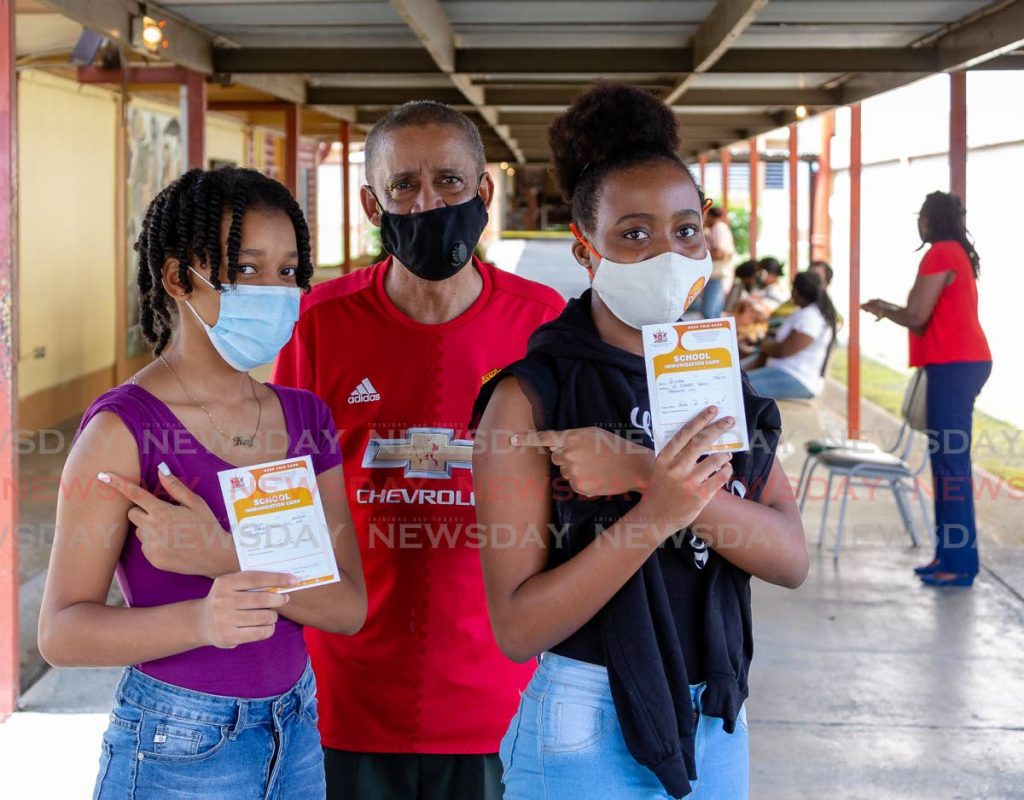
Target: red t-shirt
424 675
954 332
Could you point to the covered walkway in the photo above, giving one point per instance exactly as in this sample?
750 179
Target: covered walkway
864 685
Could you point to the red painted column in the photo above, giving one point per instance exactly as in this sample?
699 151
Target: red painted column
958 135
726 161
755 189
703 161
195 104
292 131
8 367
853 365
794 231
346 211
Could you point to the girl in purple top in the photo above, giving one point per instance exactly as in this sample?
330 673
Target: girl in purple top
217 698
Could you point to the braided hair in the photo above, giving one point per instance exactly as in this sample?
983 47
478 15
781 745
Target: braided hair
946 223
183 222
610 127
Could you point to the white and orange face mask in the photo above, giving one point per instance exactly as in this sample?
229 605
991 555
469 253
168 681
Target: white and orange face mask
655 291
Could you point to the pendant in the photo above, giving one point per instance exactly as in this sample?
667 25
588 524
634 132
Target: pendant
244 441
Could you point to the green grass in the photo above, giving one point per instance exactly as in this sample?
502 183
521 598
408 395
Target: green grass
997 444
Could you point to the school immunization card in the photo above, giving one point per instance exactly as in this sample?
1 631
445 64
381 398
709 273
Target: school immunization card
278 522
690 366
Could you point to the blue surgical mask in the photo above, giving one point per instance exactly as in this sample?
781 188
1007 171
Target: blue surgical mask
255 322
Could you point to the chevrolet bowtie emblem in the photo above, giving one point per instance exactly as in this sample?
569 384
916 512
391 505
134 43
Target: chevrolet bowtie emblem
424 453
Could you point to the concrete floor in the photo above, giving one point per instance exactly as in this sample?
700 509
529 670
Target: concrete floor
865 684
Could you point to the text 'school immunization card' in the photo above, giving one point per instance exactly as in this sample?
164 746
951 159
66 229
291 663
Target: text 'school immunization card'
278 522
690 366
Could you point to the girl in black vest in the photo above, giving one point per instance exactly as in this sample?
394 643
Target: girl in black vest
627 574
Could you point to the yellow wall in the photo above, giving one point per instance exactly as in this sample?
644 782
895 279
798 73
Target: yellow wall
68 241
67 137
226 140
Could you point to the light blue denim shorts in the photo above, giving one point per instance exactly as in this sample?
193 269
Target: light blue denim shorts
565 743
167 742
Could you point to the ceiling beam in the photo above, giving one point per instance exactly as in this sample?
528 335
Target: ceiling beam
1009 61
429 21
768 98
556 96
238 60
291 88
722 26
542 119
559 97
861 87
827 59
370 116
381 96
589 61
985 35
586 60
187 46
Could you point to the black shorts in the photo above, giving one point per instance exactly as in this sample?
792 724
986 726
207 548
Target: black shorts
411 776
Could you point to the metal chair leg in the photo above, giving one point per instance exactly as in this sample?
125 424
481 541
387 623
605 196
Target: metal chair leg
803 473
824 510
807 484
842 515
904 508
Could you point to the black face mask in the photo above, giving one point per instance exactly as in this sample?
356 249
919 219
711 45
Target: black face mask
434 244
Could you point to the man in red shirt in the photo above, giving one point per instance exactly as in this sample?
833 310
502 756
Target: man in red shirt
415 705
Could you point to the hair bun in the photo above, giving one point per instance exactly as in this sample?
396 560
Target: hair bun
605 121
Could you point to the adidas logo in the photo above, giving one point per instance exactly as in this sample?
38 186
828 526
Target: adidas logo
364 393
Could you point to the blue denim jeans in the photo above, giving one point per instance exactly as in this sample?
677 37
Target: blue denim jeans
712 299
778 384
167 742
950 394
565 743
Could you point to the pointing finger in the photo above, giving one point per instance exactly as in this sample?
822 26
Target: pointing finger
175 487
547 439
131 491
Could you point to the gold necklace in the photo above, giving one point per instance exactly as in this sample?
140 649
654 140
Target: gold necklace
237 441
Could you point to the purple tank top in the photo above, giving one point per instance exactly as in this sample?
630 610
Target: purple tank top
257 669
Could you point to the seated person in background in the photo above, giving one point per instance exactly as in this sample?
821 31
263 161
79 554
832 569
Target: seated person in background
793 364
824 271
752 312
773 292
748 329
744 282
